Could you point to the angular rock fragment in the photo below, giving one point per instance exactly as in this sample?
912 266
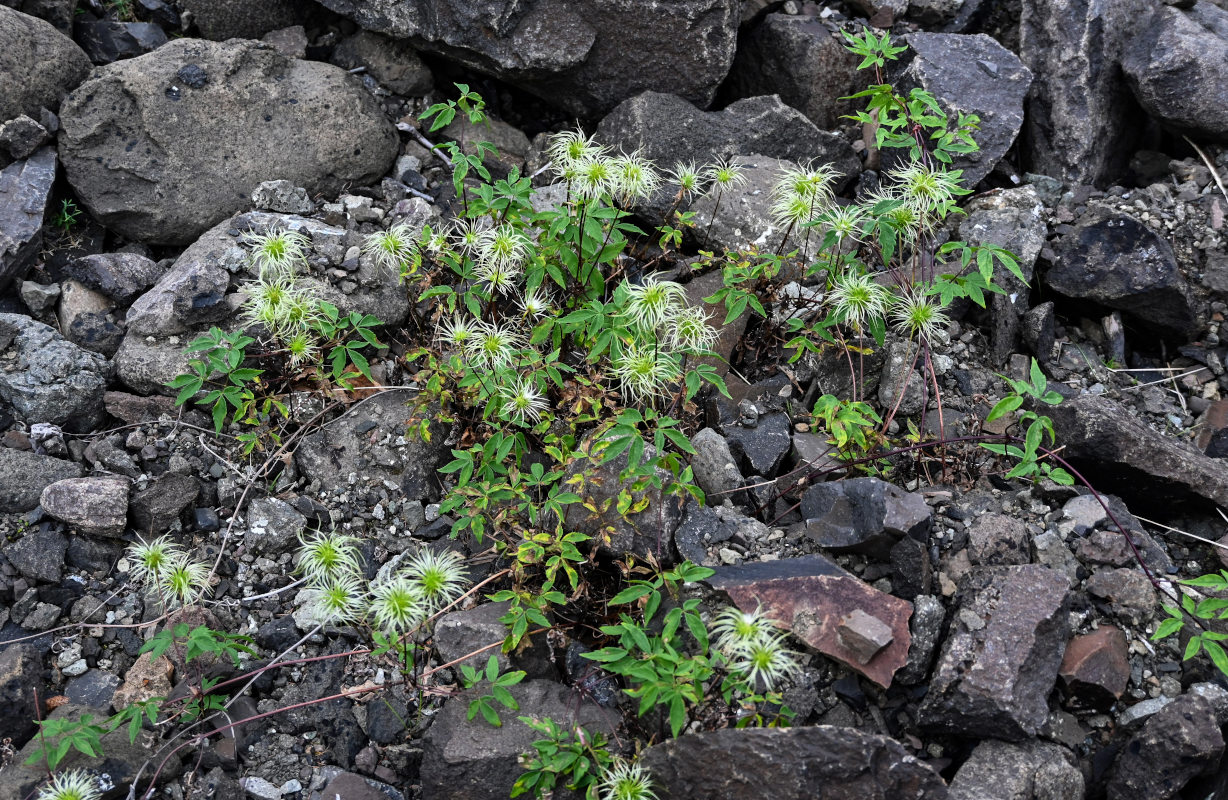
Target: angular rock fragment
38 65
46 378
1031 770
25 187
811 596
24 475
97 505
1094 668
821 762
863 515
1176 744
1001 655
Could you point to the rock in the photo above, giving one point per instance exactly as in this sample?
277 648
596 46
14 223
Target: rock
1128 593
121 276
22 136
744 214
1081 121
24 475
1117 261
1038 329
1014 219
38 554
762 448
95 505
997 540
713 464
648 530
257 788
25 187
811 596
354 787
728 335
393 63
38 65
244 19
157 508
86 319
371 441
1095 669
822 762
463 760
1126 452
108 40
1176 69
21 669
48 379
972 74
863 635
1001 655
283 197
291 41
700 528
146 678
264 117
118 759
926 627
803 60
1112 548
1176 744
39 297
192 293
756 125
95 689
458 633
586 60
145 364
1025 771
902 363
863 515
273 526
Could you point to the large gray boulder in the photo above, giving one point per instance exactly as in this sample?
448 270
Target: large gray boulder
46 378
24 475
38 65
245 19
1117 261
1082 122
163 146
974 75
25 187
803 60
1033 770
1179 71
585 57
823 762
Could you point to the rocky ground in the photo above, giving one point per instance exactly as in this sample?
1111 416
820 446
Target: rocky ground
1014 658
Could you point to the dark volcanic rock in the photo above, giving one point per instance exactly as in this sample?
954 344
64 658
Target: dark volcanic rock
25 187
155 508
20 671
1082 121
163 146
107 40
472 760
244 19
757 125
803 60
46 378
120 276
863 515
38 65
97 505
1031 770
391 62
1001 656
586 58
1178 71
24 475
1117 261
370 441
1100 430
812 763
1177 743
38 555
762 448
973 75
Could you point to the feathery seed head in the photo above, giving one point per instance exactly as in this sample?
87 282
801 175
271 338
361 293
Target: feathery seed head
498 277
736 629
267 301
634 177
806 181
457 331
276 252
439 576
687 177
594 177
644 371
765 661
303 348
502 245
151 560
336 599
688 329
324 554
522 401
396 605
185 581
624 780
534 303
843 221
917 317
390 249
793 210
724 174
568 148
492 345
653 301
74 784
929 189
856 298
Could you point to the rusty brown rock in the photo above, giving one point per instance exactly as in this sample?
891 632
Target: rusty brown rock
811 596
1095 669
